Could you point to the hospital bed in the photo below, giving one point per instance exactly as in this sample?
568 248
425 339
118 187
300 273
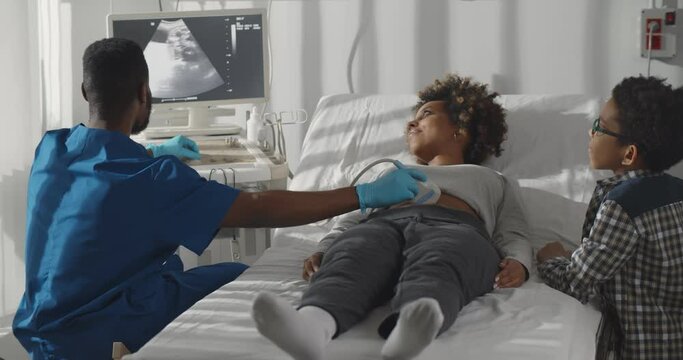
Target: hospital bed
546 152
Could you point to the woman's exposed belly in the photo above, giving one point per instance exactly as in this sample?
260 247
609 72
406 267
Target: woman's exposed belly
447 201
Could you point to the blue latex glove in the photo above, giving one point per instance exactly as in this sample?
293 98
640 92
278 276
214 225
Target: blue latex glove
397 186
178 146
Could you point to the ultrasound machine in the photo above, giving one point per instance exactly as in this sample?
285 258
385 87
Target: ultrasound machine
202 66
206 68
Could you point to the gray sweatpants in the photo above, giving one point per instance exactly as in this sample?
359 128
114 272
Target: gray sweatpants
400 255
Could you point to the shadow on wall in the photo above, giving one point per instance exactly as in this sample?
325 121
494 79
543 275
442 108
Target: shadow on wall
596 57
508 81
368 60
13 189
311 66
432 38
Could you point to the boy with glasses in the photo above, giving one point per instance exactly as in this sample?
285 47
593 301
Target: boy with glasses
631 253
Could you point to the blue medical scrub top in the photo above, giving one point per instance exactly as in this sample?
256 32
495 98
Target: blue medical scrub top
103 219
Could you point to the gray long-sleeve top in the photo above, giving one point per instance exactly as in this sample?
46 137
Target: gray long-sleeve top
488 192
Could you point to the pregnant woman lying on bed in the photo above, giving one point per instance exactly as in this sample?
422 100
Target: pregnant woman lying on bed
427 261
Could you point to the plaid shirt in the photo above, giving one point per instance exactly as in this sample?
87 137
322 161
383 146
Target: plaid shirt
631 257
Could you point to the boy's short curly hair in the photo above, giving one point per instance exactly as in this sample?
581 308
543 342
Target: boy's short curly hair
650 114
470 107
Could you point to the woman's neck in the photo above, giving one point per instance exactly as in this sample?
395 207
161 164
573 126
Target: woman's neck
447 159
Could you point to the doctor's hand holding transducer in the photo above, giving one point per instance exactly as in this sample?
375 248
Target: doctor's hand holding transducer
395 187
179 146
278 208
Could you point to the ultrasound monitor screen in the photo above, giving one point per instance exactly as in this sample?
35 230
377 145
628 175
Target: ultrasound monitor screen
199 58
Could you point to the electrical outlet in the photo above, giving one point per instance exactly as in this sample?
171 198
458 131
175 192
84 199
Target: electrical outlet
661 43
653 41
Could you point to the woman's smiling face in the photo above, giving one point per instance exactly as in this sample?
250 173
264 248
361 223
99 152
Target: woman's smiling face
431 133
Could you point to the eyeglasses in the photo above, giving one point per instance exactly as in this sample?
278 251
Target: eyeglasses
596 128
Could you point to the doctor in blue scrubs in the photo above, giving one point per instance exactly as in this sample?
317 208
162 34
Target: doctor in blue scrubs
105 216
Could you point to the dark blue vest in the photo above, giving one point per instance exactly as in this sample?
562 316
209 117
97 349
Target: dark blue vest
643 194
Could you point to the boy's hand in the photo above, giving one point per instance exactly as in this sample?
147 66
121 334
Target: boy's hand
512 274
551 250
311 265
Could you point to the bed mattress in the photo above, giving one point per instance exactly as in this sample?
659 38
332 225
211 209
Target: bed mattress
531 322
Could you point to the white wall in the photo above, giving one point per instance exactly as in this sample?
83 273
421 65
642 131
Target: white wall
519 46
19 131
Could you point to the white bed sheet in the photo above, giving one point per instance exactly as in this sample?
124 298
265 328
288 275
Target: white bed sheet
534 322
546 152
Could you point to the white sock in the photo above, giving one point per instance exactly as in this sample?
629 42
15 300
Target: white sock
302 334
418 324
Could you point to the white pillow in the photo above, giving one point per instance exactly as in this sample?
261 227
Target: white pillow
546 151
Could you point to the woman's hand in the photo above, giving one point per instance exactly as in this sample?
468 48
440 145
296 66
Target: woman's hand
311 265
512 274
551 250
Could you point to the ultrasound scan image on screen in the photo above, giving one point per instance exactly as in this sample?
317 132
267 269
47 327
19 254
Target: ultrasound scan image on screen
200 58
181 68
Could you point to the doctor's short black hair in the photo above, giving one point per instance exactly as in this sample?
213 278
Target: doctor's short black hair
470 107
650 114
113 71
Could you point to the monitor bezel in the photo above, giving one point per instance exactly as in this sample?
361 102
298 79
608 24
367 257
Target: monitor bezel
206 13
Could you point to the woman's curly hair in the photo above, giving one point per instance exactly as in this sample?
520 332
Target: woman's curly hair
650 115
470 107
